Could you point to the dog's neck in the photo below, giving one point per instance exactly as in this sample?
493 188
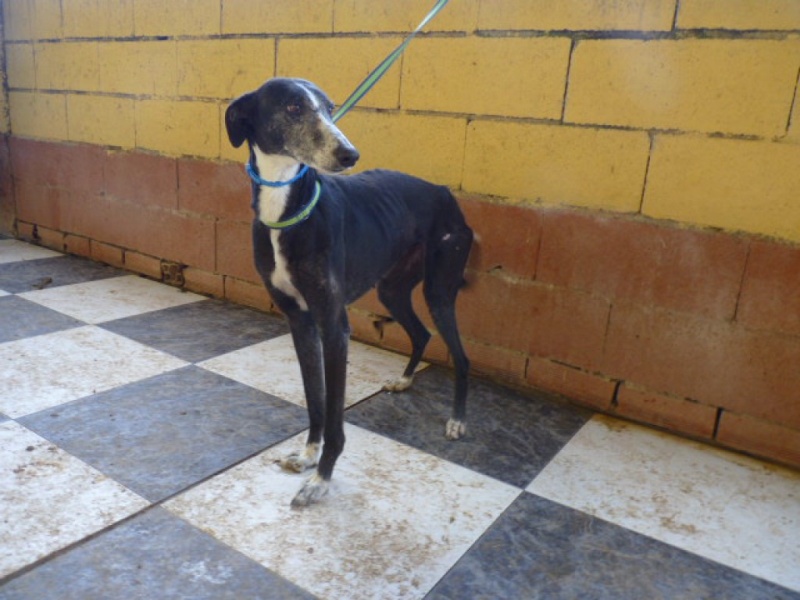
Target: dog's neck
273 167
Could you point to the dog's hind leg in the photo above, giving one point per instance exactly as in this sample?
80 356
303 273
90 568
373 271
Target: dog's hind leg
444 276
309 354
394 291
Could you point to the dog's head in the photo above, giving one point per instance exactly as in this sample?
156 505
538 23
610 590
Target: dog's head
291 117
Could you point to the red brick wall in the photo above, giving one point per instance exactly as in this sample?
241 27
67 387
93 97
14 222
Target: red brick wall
694 331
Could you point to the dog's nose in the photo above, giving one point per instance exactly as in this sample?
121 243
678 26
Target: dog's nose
347 156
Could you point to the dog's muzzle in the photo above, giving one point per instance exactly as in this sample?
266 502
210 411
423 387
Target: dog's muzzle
346 156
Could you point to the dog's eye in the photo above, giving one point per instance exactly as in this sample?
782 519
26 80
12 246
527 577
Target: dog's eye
294 109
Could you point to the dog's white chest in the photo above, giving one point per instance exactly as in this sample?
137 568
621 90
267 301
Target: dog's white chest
281 277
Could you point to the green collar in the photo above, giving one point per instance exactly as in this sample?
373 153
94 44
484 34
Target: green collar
302 215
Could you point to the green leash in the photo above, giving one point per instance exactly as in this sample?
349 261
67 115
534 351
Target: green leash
381 69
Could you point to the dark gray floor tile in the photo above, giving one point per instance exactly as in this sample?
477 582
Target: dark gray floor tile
160 435
154 555
540 549
20 318
30 275
510 437
200 330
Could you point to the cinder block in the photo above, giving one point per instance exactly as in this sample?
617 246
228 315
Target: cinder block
426 146
204 282
139 68
67 66
38 115
40 204
543 321
576 166
177 17
51 238
495 362
144 179
234 250
20 68
506 236
739 14
277 16
17 21
403 16
669 412
223 68
321 60
770 297
714 362
106 253
103 120
770 439
46 21
579 15
141 263
463 75
712 85
73 167
178 127
732 184
75 244
589 389
646 263
248 294
221 190
97 18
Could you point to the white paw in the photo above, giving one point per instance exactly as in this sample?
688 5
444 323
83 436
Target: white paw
455 429
313 490
399 384
297 462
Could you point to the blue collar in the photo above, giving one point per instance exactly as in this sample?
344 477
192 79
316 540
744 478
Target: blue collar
304 212
274 184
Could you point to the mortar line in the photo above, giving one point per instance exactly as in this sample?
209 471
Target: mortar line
793 105
652 137
573 44
741 282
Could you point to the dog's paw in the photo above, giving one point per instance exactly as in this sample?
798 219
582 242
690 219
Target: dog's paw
455 429
297 462
399 384
313 490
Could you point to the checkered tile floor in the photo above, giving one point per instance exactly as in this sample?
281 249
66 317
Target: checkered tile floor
139 428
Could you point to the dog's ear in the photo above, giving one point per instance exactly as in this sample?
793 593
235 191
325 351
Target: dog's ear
239 118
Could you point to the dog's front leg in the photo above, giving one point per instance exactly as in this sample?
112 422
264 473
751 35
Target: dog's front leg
335 337
309 354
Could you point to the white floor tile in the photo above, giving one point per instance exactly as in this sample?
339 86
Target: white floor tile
272 367
109 299
50 499
396 519
43 371
14 250
723 506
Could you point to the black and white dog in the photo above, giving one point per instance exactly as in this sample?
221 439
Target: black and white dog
347 234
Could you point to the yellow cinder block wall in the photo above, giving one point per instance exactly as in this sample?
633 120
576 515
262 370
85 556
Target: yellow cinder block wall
682 111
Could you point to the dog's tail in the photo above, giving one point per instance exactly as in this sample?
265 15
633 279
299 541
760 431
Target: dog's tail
474 251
